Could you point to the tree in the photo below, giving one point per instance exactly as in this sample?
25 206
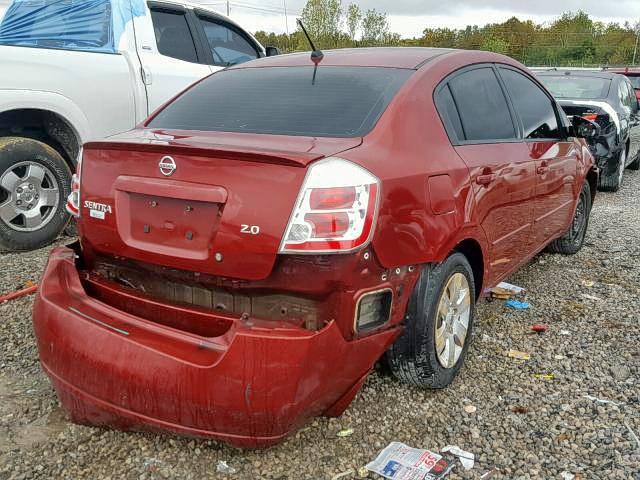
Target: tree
322 19
354 17
375 26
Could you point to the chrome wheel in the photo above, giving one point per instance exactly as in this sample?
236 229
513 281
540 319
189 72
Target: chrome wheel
30 196
452 322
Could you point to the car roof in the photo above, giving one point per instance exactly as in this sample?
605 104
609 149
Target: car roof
576 73
392 57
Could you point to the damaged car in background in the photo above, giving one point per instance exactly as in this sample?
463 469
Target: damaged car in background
248 253
609 100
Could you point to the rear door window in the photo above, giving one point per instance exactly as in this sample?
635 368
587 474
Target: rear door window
333 102
532 105
449 114
173 35
483 108
227 46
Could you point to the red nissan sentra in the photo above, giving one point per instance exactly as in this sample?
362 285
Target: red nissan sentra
249 253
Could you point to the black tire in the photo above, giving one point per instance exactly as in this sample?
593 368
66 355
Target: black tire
635 165
612 182
413 358
571 242
19 158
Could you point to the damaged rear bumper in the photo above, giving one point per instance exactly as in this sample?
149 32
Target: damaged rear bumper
250 386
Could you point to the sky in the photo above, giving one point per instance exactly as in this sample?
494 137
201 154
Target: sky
410 17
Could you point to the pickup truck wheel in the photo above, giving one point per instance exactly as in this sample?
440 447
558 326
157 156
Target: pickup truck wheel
34 183
438 325
612 182
572 241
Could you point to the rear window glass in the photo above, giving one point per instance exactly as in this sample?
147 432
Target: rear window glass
339 102
567 86
483 108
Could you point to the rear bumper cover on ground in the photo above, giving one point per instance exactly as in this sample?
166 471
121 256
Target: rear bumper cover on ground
250 387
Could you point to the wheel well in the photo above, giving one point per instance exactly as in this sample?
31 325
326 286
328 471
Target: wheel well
45 126
472 250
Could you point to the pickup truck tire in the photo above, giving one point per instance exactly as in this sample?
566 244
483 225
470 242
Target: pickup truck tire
572 241
420 356
34 184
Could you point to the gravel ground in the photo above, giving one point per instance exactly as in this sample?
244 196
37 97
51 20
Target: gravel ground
524 426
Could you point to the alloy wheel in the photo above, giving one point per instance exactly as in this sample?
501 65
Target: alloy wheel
452 321
30 196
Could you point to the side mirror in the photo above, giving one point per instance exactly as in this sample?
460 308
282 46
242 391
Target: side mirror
585 128
272 51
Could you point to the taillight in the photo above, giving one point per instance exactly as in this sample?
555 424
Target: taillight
73 200
335 210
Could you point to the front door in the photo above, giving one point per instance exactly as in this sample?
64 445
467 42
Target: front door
555 158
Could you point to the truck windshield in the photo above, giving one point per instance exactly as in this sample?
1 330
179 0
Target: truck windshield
568 86
635 81
338 102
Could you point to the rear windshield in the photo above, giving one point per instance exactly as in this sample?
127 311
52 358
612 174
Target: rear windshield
339 102
567 86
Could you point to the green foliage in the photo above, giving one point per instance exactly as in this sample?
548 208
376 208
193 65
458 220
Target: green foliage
573 39
354 18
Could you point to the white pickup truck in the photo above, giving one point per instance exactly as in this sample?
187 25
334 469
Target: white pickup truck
77 70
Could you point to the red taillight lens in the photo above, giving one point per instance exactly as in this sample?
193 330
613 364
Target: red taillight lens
328 225
332 198
592 117
335 210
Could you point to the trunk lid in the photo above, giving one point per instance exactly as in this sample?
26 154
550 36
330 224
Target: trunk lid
207 202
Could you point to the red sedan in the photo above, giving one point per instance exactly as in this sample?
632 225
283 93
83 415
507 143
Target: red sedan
250 252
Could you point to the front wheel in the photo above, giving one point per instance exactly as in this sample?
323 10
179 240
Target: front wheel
438 325
34 183
572 241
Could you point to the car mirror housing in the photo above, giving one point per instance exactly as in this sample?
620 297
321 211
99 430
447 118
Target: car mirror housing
272 51
585 128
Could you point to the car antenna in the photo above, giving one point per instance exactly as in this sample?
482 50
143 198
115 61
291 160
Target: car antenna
316 54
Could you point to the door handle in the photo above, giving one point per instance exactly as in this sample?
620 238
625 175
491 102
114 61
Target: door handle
485 179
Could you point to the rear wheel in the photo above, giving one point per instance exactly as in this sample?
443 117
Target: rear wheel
613 181
438 325
572 241
34 183
635 165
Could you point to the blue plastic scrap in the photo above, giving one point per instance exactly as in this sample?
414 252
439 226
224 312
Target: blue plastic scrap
517 305
86 25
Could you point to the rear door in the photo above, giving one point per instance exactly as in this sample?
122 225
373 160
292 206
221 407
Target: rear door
556 158
484 129
170 52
